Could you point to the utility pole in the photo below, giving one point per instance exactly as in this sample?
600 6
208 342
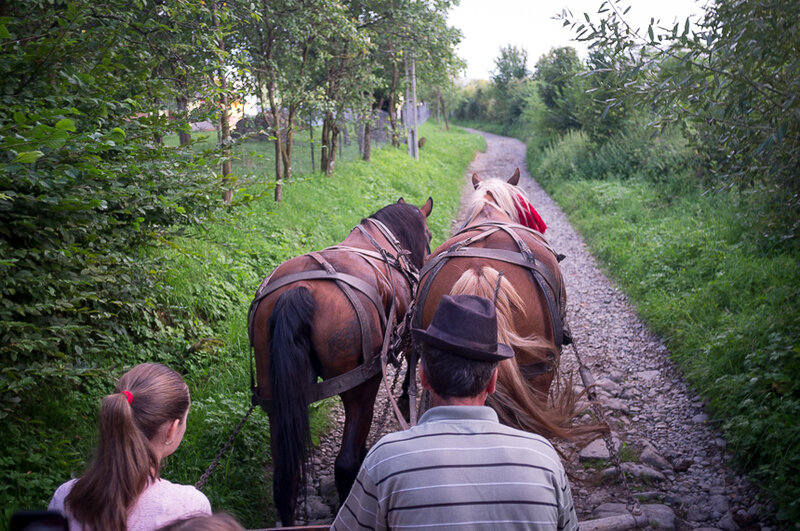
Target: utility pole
411 109
414 109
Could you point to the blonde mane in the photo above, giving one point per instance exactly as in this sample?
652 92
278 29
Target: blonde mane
502 196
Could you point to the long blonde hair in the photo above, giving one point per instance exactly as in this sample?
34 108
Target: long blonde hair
124 460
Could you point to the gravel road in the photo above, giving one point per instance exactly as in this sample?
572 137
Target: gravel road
674 459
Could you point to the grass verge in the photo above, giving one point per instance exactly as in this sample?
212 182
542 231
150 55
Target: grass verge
723 303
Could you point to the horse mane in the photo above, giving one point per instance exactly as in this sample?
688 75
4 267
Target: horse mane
407 223
512 399
506 199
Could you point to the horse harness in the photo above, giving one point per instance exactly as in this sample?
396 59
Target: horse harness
349 284
543 276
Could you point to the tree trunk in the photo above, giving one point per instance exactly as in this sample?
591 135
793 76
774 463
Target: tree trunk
410 119
262 93
366 149
311 143
184 137
438 107
325 147
278 179
406 104
341 139
334 145
444 113
224 119
393 99
276 130
330 134
414 120
287 146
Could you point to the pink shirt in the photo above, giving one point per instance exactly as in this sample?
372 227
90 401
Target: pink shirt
161 503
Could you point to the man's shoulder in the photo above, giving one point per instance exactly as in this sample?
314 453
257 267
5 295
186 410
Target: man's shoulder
444 426
531 439
394 439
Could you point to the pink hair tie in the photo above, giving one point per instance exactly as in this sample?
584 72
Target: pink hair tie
128 396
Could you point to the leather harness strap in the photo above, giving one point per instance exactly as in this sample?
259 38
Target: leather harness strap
371 364
543 276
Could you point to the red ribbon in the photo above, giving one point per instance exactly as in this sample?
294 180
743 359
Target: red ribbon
528 216
128 396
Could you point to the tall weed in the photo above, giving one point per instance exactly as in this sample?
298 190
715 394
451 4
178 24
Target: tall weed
564 159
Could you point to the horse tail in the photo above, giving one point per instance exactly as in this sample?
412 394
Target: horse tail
516 402
291 378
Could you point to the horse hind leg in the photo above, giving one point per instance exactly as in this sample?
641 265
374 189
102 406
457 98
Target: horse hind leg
358 405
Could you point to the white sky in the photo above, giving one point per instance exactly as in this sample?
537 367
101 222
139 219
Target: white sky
488 25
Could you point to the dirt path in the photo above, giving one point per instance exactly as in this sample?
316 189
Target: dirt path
676 461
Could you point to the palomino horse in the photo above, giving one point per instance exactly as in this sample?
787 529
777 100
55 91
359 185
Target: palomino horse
502 242
325 315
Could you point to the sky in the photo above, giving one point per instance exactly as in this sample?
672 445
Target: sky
488 25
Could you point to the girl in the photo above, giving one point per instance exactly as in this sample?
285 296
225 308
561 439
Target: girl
140 424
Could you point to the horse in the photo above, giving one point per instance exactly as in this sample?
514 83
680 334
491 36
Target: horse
326 315
500 253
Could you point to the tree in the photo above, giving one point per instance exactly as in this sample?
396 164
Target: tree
731 82
511 64
558 82
409 28
733 79
265 36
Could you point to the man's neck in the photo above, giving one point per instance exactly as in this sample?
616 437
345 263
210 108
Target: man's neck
479 400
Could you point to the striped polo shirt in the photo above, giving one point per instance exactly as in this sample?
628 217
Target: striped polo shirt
459 468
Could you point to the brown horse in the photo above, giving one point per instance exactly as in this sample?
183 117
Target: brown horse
501 243
325 315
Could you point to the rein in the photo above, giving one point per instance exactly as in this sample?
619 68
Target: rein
348 283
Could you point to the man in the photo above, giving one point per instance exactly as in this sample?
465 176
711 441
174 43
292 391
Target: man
459 468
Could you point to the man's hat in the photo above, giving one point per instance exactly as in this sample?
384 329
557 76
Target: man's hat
465 325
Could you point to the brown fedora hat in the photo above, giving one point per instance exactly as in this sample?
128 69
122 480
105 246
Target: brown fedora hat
465 325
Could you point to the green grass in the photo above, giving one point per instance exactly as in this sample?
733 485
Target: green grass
213 272
724 304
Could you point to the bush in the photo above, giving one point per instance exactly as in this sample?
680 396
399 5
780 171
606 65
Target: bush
86 189
563 160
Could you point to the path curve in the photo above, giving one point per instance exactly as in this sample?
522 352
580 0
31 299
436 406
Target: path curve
680 468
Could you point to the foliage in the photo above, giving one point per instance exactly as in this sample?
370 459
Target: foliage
510 65
563 159
307 59
679 178
557 75
86 187
735 79
601 116
538 109
633 152
476 102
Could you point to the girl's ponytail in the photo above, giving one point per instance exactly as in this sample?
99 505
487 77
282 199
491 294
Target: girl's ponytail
124 462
